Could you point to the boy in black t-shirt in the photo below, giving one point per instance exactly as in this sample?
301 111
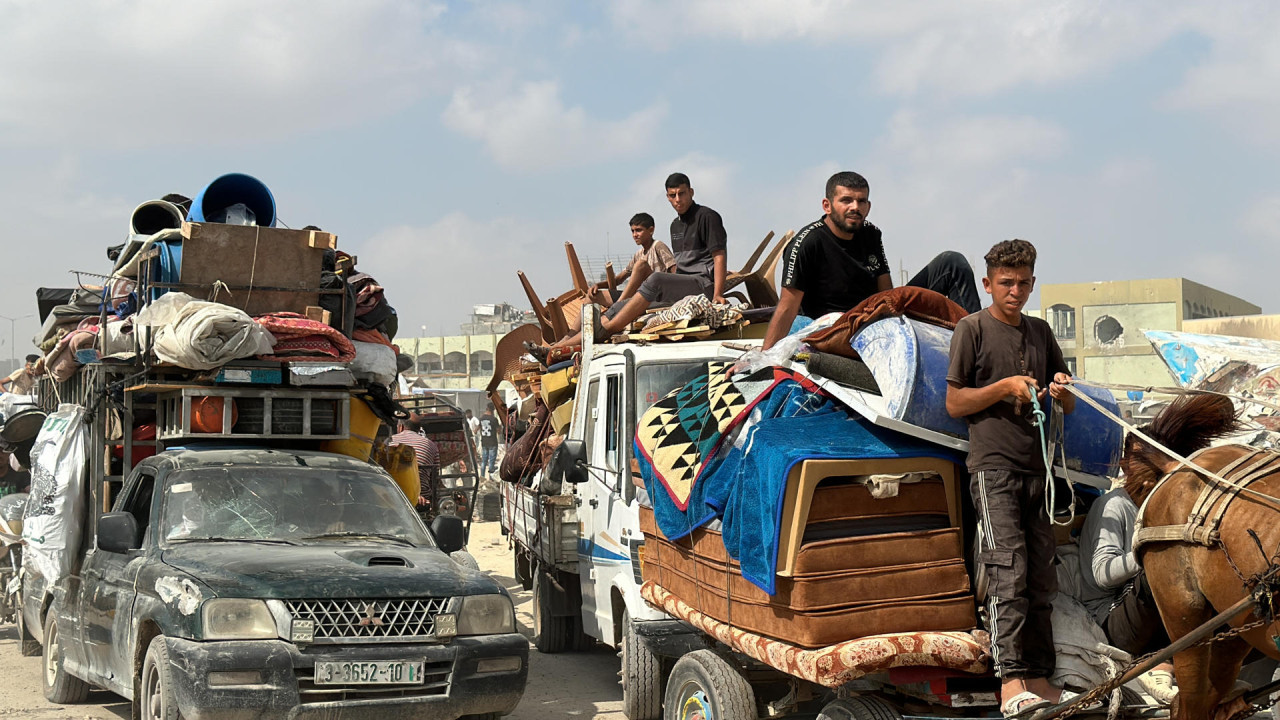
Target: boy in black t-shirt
999 357
838 261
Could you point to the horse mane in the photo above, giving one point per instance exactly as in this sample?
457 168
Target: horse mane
1188 424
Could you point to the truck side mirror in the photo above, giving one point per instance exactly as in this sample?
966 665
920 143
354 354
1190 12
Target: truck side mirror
449 532
118 532
569 462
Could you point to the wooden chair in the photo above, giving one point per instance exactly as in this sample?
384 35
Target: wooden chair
759 284
561 315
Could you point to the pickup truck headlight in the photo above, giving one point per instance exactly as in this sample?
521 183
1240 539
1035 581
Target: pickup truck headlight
237 619
486 615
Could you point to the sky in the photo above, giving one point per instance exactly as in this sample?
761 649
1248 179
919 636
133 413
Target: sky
449 144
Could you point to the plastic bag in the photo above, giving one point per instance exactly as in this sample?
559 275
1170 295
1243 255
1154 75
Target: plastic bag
375 362
54 516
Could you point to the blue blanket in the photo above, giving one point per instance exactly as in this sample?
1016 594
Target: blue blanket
745 483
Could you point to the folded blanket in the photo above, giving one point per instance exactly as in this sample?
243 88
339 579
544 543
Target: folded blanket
301 339
200 335
913 302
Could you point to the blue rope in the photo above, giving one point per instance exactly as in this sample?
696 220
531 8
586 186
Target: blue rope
1039 420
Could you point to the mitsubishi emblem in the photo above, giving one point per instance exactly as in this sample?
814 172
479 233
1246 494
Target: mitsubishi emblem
372 616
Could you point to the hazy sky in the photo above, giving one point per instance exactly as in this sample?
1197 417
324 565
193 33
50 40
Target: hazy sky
449 144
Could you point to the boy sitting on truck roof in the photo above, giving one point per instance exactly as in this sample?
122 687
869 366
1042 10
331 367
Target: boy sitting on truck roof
653 256
999 357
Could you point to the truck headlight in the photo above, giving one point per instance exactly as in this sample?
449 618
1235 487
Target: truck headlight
486 615
237 619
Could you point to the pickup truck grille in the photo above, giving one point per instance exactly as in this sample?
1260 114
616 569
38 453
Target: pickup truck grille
344 621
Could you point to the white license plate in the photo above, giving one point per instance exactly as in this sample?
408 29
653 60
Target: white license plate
392 672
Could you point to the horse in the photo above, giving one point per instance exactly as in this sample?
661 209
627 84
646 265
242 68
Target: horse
1194 581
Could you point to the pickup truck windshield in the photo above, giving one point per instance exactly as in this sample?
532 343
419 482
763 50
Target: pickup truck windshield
655 380
285 504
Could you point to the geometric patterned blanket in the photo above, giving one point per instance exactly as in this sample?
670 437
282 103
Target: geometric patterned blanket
835 665
681 432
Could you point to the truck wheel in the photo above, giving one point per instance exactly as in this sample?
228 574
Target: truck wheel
859 708
59 685
704 686
550 632
155 696
28 646
641 676
523 570
579 640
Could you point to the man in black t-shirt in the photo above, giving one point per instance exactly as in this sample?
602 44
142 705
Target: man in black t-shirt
489 429
838 261
699 242
999 357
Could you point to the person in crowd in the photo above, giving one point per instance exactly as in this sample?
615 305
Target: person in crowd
428 455
21 381
652 256
489 432
838 260
1115 591
1000 361
699 242
473 424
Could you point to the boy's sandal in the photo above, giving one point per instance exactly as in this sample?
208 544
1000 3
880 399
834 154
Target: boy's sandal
1023 704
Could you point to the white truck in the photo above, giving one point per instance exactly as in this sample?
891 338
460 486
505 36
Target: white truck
578 546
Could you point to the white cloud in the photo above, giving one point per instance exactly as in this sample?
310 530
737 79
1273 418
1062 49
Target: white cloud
531 129
130 74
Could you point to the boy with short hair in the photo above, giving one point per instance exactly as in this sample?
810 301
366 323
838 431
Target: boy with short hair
653 256
999 357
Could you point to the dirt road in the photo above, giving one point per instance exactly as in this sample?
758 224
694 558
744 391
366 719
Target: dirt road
572 685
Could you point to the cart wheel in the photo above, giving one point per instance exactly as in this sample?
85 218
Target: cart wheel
524 570
704 686
550 632
859 708
641 676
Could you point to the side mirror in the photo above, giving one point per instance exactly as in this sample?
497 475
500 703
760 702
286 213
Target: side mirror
118 532
569 462
450 533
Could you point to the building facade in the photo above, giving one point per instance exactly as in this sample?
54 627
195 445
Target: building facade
1099 325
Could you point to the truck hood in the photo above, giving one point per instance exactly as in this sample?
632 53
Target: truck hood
284 572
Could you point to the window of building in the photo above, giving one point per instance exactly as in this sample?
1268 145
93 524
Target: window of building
1062 318
481 362
1107 329
455 362
1071 365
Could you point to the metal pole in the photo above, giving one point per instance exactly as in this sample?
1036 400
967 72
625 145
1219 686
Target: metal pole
13 351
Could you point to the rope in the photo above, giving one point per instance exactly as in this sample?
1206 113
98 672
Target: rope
1038 421
1175 391
1182 461
253 266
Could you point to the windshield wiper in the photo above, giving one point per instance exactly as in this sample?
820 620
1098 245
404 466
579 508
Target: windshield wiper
272 541
380 536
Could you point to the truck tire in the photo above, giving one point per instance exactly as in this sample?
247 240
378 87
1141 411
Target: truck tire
28 646
523 570
641 676
59 686
704 685
550 632
155 689
859 708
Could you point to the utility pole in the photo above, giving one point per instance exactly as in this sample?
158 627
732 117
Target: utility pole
13 352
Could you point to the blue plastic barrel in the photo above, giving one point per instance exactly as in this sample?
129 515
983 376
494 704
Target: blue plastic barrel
168 267
234 188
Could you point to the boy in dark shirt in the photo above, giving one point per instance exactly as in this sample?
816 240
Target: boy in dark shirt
999 357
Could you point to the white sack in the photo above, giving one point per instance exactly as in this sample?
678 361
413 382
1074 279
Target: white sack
55 509
200 335
374 361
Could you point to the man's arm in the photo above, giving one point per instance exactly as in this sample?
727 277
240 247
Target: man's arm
1059 392
884 282
717 275
783 315
965 401
1112 565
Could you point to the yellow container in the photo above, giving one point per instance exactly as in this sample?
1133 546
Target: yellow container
363 428
402 464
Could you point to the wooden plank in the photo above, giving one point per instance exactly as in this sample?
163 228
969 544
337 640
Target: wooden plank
685 331
315 313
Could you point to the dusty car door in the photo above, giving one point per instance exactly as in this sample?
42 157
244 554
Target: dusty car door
107 592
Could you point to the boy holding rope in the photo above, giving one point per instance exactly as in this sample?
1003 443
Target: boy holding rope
1001 360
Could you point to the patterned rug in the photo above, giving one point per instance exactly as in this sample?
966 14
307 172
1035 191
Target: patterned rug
682 431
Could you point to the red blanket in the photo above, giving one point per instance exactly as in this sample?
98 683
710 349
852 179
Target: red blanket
301 339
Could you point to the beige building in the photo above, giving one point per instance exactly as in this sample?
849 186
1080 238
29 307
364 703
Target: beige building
452 361
1099 325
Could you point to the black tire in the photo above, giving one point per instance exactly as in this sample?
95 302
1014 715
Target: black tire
859 708
155 688
59 686
550 632
579 640
28 646
704 684
523 570
641 676
486 716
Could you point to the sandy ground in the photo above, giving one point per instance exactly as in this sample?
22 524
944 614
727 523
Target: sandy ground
571 685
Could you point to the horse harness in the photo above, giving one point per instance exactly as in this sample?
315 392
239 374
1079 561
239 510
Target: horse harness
1202 527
